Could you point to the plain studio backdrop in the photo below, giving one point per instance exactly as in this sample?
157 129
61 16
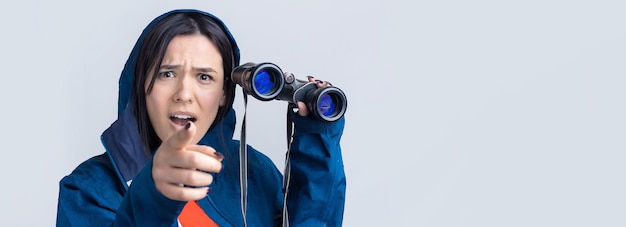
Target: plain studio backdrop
461 113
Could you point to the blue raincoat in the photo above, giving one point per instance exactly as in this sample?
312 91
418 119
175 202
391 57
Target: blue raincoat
116 188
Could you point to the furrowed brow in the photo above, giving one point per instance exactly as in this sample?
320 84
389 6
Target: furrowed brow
170 66
204 70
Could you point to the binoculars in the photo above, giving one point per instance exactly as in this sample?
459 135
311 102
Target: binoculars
266 81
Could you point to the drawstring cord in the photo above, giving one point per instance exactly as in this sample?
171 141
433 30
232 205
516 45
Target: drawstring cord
243 164
287 174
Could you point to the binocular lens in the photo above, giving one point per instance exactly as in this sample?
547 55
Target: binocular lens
327 105
263 82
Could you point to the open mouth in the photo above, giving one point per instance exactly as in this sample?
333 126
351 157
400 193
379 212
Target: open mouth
182 119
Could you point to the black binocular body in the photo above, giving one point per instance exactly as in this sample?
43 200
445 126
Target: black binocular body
266 81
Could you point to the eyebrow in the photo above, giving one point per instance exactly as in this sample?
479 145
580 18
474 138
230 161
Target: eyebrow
200 69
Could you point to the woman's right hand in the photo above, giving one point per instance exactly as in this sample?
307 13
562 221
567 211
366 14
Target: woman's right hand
181 169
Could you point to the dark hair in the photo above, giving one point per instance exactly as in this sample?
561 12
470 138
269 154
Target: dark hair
150 57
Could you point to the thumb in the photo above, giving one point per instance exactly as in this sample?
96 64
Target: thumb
302 110
182 137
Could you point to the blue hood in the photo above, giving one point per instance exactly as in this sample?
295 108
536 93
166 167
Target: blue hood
128 74
122 140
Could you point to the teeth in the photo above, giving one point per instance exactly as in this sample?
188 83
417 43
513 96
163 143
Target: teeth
184 117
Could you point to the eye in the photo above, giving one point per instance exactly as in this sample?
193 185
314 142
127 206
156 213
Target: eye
205 77
166 74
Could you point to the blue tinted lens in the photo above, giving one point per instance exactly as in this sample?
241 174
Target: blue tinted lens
326 105
263 83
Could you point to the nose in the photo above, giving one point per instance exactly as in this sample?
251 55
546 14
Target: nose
184 91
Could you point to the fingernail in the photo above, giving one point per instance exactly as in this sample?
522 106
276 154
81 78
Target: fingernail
309 77
208 190
219 155
319 81
188 125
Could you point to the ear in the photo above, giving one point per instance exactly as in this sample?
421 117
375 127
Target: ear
223 100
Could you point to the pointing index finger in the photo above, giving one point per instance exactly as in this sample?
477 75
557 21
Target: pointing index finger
182 137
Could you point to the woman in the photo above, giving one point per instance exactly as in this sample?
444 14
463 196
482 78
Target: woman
170 158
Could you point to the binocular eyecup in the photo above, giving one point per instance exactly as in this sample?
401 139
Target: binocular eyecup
266 81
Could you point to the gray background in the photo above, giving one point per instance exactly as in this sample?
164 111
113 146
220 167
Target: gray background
461 113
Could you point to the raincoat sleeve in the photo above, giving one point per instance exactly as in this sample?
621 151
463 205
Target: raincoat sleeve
143 205
92 196
89 195
316 195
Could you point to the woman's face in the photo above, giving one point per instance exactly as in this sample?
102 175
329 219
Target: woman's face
188 87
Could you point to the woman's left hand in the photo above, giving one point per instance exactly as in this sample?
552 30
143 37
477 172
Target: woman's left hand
302 110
